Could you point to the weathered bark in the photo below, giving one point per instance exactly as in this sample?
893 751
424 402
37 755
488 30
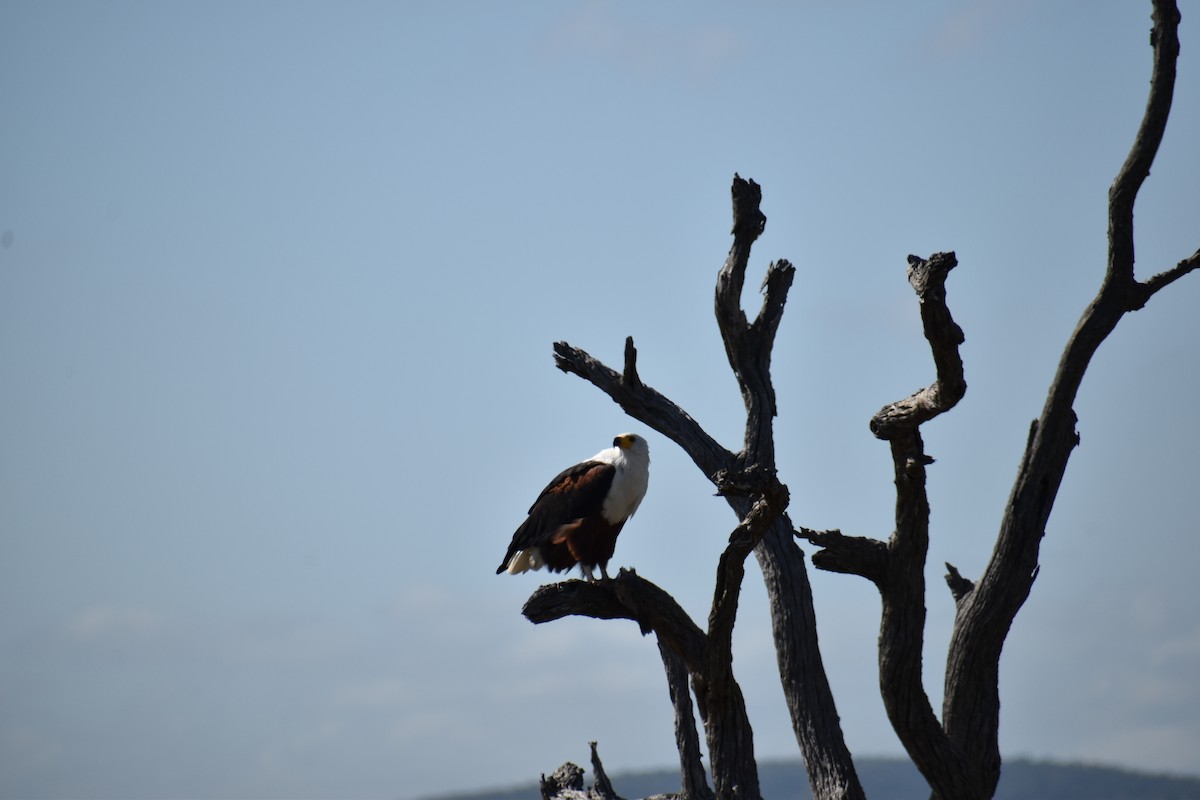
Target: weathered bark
748 346
706 656
566 779
902 583
958 755
687 741
897 567
566 782
971 706
628 596
815 721
742 478
602 785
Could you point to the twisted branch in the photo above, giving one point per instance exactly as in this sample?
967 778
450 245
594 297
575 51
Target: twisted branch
985 612
851 555
928 279
748 482
645 404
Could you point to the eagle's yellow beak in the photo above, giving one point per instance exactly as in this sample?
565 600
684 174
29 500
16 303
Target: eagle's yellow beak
624 441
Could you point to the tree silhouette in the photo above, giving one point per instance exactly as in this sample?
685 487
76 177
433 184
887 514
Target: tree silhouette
957 753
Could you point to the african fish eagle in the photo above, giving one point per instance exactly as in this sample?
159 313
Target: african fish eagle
577 517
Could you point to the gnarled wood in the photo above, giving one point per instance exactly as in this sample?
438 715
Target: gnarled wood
629 596
687 741
743 478
958 755
971 706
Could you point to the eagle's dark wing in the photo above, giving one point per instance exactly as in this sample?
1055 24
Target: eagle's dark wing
576 492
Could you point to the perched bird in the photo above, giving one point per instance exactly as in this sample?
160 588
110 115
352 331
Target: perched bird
577 517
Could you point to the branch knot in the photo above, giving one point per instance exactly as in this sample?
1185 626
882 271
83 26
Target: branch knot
754 479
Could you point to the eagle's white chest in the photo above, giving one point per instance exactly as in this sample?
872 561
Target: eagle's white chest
628 487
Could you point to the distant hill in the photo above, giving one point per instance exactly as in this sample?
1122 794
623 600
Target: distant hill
898 779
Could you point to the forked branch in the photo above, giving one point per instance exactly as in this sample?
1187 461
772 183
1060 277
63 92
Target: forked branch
985 612
959 755
645 404
744 478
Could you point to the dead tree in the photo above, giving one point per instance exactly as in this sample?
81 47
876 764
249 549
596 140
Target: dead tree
958 753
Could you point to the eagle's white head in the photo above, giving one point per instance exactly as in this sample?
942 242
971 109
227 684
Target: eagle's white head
633 446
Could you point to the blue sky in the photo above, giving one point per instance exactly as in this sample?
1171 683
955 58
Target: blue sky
277 293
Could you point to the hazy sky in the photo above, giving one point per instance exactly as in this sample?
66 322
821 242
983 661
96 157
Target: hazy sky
278 287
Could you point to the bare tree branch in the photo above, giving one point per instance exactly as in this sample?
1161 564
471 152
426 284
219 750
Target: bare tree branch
897 568
602 786
959 755
566 782
645 404
739 478
748 347
928 279
971 705
852 555
707 656
722 707
1163 279
960 587
1164 38
730 570
902 582
626 596
687 741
